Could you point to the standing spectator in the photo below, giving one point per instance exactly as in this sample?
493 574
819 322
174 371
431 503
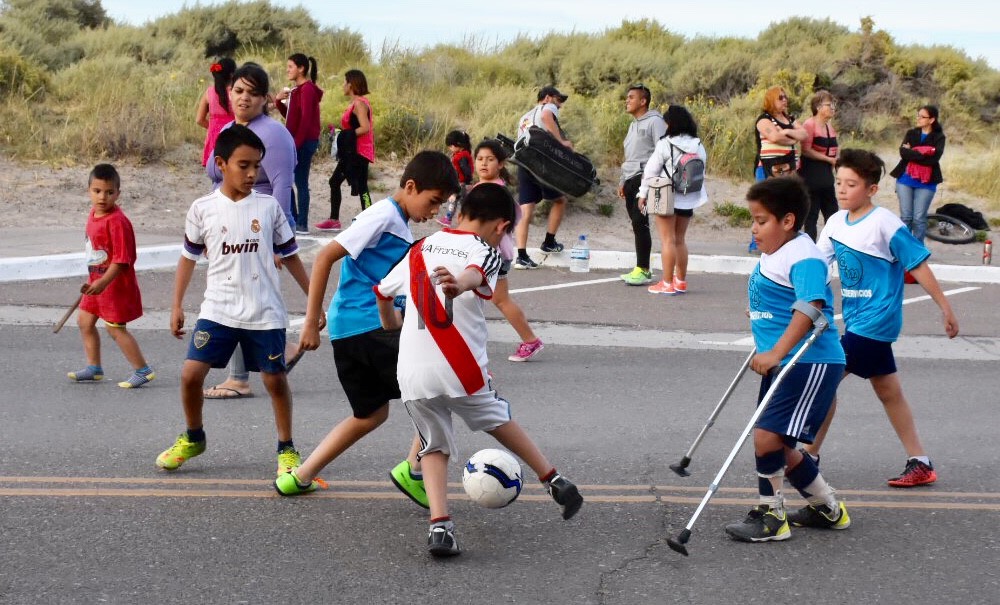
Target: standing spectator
819 154
777 133
646 129
919 170
249 99
545 115
355 148
682 138
460 146
300 106
214 111
111 292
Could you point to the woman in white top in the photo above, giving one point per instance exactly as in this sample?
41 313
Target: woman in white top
681 138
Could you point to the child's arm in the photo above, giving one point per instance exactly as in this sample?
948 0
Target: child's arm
388 314
798 327
452 285
185 268
114 270
925 277
327 257
201 116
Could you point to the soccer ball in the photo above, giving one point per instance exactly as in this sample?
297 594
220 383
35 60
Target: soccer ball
492 478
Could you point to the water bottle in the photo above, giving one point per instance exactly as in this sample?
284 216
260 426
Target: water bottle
579 256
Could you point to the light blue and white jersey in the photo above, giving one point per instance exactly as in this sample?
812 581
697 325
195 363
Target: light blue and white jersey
797 271
872 253
375 241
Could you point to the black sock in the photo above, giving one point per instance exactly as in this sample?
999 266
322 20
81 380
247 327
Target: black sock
522 253
283 444
196 435
550 238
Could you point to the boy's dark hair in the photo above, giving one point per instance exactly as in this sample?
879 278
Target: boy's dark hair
431 170
105 172
782 196
458 138
235 136
680 121
487 202
869 166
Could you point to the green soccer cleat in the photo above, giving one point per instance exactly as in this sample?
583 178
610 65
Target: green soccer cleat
288 460
406 483
180 452
287 484
762 524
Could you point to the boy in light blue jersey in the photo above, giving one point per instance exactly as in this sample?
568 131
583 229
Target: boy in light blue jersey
788 291
873 248
365 354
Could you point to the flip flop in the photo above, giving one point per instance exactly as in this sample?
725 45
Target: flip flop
230 393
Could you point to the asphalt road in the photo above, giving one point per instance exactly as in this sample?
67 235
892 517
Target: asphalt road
625 383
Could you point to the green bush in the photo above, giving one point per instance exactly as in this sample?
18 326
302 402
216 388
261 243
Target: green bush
20 78
736 215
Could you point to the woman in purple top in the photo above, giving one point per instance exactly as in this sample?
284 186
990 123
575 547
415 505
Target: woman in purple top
249 102
249 99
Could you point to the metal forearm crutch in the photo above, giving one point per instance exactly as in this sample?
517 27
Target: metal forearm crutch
820 324
681 467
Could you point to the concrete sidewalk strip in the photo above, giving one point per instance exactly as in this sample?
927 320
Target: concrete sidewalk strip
55 266
919 347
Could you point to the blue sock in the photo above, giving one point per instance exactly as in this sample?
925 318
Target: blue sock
144 371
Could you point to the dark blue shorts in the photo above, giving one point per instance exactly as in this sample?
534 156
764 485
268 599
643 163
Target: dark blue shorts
366 366
867 357
530 191
214 343
799 406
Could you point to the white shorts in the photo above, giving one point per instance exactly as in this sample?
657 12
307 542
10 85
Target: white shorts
432 418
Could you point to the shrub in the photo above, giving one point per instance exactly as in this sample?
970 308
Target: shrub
736 215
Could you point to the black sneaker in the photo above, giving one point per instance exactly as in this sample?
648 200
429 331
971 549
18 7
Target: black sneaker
524 262
553 246
565 494
763 524
441 540
821 516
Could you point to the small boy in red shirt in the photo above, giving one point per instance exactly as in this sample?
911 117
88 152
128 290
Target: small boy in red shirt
111 292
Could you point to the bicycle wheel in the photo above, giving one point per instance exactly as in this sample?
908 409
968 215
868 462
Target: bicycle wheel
948 229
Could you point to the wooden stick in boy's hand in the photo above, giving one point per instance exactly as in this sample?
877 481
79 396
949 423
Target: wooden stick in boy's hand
67 315
294 360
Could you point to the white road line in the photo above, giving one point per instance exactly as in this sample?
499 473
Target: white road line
574 284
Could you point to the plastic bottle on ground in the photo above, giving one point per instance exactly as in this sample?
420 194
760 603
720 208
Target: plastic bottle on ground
579 256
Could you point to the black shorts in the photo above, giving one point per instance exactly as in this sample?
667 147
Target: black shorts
688 212
530 191
366 366
867 357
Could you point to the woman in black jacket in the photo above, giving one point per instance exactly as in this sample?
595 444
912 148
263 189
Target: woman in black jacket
919 170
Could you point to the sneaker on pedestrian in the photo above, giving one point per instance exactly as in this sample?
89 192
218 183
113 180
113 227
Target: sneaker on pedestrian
565 494
762 524
680 286
301 230
137 379
527 350
821 517
180 452
328 225
287 484
288 460
405 482
638 277
441 540
662 287
916 473
551 247
93 373
524 262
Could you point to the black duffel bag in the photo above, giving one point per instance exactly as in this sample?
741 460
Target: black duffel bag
552 163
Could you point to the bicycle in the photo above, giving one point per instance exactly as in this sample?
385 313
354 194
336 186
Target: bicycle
949 230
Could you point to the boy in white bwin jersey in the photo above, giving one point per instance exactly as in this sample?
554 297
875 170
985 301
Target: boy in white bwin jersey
442 364
240 231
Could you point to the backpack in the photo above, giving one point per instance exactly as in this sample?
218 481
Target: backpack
688 175
970 217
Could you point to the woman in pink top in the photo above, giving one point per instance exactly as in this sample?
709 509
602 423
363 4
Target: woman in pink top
355 148
214 111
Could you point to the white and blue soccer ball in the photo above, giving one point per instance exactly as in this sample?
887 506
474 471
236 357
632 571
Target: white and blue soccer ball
492 478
